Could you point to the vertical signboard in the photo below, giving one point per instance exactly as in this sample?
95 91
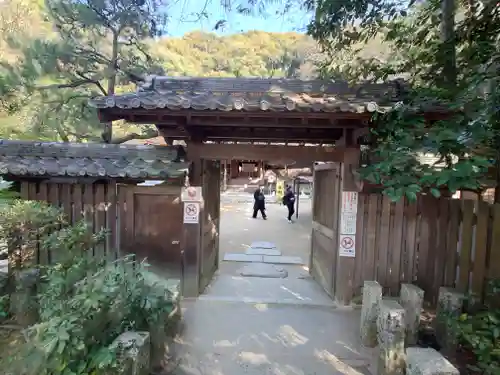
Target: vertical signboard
348 218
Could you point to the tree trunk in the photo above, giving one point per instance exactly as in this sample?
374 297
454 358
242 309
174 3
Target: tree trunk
449 43
107 134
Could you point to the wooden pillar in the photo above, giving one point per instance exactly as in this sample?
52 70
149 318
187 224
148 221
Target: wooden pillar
344 275
234 168
192 235
224 176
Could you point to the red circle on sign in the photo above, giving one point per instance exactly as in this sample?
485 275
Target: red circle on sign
347 242
191 209
191 192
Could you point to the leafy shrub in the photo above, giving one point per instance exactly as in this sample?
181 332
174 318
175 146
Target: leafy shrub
23 224
4 307
479 332
84 303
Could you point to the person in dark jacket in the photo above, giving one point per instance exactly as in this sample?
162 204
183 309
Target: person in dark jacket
289 202
259 203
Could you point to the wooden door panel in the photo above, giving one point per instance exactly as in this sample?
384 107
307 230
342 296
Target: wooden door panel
153 224
324 236
210 222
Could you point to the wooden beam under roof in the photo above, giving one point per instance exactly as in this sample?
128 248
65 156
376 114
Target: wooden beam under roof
284 154
253 134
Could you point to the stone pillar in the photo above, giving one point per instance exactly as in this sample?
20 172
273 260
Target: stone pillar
23 304
391 338
411 298
133 352
429 362
450 304
372 295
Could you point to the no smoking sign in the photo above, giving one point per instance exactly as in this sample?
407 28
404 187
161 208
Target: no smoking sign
347 246
191 212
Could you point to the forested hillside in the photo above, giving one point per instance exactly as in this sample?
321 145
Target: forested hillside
32 44
55 56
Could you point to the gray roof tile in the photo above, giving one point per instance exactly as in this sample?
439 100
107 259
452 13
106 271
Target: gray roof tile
53 159
252 94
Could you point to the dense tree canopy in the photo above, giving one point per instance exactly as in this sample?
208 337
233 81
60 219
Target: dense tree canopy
449 51
62 52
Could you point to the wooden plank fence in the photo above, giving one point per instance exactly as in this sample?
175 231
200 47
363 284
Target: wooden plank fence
431 242
96 203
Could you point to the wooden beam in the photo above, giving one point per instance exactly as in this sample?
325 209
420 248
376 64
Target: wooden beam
265 122
270 153
254 134
139 115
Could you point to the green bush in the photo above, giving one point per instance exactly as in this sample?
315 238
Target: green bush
479 332
84 303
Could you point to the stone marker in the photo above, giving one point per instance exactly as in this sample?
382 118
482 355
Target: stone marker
411 298
372 295
450 304
427 361
133 353
391 338
23 302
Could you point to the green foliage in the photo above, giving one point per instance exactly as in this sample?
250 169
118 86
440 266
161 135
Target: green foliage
467 143
70 57
404 136
84 303
24 225
4 307
479 332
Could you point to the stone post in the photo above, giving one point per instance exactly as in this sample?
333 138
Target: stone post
133 353
391 338
372 295
429 362
450 304
23 304
411 298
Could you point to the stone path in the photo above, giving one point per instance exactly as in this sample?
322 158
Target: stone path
267 318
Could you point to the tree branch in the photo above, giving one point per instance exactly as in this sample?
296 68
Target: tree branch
95 82
131 136
69 85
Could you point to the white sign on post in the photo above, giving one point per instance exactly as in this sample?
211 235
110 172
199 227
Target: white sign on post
349 201
348 218
348 223
347 246
191 213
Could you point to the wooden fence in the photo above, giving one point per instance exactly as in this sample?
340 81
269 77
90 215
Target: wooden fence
431 242
96 203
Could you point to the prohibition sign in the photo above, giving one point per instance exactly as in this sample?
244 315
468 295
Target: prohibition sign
191 209
347 243
191 213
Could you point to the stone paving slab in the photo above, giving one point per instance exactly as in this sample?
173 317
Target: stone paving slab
283 259
238 257
259 339
263 270
259 251
290 291
263 245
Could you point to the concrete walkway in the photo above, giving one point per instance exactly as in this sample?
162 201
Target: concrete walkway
265 325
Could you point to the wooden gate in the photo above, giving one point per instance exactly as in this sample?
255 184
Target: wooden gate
151 225
324 237
211 181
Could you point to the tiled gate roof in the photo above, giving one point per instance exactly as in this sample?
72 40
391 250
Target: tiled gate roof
54 159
